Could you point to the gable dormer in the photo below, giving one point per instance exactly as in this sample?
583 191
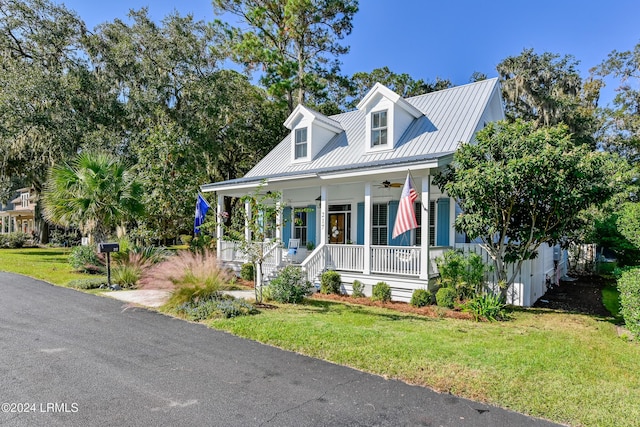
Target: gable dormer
310 132
388 115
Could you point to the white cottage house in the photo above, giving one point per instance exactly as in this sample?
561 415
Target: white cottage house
341 178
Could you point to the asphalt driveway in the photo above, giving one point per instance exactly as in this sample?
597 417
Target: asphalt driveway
74 359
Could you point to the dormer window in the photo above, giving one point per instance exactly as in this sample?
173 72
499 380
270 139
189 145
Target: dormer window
301 143
379 128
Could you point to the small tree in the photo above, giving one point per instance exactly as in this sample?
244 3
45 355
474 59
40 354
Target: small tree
520 187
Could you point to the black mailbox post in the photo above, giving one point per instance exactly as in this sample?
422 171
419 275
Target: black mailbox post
108 248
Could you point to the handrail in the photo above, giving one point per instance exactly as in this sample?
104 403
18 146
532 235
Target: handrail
315 262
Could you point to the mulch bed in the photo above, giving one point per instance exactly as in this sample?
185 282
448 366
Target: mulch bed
581 296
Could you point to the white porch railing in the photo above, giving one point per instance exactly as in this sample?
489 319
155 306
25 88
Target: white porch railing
402 260
345 257
270 260
315 263
231 252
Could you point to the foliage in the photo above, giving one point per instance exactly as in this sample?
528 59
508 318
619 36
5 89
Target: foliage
487 306
291 41
193 276
126 275
547 90
95 192
220 306
622 122
15 240
290 286
330 282
247 271
520 187
629 222
421 298
357 289
446 297
465 274
90 283
629 287
85 259
381 292
606 233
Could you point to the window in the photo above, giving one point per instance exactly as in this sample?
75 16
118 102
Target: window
301 143
24 197
379 230
300 226
432 223
379 128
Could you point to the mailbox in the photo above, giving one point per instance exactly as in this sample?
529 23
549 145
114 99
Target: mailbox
108 247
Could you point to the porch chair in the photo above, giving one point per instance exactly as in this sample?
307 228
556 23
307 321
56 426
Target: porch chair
292 250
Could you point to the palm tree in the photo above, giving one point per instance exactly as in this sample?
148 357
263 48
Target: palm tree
95 192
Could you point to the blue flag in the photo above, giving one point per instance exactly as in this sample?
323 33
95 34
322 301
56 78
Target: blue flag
201 211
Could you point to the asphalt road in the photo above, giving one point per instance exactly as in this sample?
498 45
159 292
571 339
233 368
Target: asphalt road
73 359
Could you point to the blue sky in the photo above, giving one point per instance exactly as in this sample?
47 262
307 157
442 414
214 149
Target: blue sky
447 39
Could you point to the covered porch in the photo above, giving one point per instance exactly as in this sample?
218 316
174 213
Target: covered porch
344 222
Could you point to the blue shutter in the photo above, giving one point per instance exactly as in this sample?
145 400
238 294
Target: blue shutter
360 225
286 228
311 224
403 239
443 224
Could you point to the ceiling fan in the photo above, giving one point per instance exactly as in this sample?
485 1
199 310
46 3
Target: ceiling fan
389 184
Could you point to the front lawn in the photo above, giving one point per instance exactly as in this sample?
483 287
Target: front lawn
565 367
48 264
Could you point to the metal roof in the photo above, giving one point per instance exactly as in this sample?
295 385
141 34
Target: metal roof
450 116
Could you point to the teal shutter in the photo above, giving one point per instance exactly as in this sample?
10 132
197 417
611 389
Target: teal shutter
311 224
360 225
286 227
443 224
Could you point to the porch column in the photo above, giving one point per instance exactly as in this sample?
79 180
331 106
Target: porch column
219 207
2 225
367 228
247 218
425 262
279 225
323 215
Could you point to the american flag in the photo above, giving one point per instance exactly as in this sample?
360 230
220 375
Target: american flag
406 218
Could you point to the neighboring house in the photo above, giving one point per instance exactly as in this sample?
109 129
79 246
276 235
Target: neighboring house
341 179
19 214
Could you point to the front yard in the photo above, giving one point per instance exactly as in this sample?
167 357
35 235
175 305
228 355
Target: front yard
569 368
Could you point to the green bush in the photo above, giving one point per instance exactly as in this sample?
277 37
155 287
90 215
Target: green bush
3 241
446 297
629 287
330 282
126 275
358 289
487 306
463 273
17 240
91 283
290 286
381 292
421 298
223 306
85 259
247 271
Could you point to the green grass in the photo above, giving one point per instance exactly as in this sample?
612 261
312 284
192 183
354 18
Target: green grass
564 367
48 264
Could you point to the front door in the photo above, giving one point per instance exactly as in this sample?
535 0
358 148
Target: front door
336 228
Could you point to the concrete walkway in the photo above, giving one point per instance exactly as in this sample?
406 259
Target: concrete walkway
156 298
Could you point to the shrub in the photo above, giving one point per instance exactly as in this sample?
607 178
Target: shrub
487 306
446 297
290 286
421 298
225 306
17 240
4 239
463 273
91 283
330 282
85 259
629 287
381 292
247 271
126 275
358 289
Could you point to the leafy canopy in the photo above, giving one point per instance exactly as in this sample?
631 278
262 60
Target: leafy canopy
520 186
